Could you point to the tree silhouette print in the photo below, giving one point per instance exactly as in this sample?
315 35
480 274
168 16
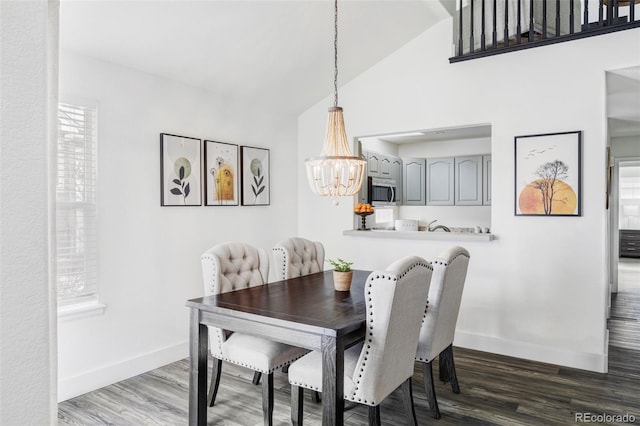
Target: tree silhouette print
549 174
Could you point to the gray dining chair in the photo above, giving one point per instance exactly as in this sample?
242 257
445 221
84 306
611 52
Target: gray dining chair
233 266
439 324
295 257
395 304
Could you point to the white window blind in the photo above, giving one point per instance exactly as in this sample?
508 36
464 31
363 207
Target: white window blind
76 239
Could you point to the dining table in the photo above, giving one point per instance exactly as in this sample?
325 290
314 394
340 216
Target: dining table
305 312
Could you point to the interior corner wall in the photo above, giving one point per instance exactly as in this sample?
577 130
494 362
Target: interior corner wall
540 289
149 256
28 83
625 146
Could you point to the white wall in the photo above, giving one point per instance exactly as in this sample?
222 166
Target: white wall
28 76
538 291
628 146
149 255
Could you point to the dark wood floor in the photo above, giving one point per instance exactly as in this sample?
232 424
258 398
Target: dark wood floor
495 390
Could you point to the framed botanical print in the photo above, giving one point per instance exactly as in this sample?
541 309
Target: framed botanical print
548 174
220 174
180 171
256 185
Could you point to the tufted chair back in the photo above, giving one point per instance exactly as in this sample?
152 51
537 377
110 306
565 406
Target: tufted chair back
395 306
231 266
439 325
295 257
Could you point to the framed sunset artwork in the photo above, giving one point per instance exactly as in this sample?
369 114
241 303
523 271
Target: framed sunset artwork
548 174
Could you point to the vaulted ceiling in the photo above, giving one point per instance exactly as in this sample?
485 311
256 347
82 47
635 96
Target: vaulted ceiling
272 54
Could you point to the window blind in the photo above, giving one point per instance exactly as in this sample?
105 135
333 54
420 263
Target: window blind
76 215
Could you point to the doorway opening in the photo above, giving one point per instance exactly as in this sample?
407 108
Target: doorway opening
628 174
623 125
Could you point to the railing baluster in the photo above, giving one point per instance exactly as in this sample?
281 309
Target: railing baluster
460 38
471 42
600 13
482 36
557 18
586 15
609 14
571 17
544 19
632 12
506 24
495 25
531 28
518 27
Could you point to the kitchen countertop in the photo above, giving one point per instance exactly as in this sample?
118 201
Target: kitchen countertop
420 235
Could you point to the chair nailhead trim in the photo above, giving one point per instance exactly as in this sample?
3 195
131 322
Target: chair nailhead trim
254 368
284 261
369 286
447 262
305 385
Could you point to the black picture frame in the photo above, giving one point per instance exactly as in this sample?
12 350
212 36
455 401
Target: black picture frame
221 161
255 176
180 171
548 174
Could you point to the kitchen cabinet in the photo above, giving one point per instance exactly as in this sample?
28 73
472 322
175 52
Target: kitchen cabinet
385 166
413 178
468 180
382 166
486 180
396 174
629 243
440 181
379 165
373 164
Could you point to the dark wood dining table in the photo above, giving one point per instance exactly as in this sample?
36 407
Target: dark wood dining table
306 312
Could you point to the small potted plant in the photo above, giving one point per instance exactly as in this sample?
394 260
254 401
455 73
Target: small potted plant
342 274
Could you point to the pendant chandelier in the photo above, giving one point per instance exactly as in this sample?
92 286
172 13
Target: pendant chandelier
336 172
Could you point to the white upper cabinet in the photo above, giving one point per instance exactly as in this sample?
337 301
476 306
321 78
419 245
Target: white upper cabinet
486 180
468 180
396 174
413 179
386 166
440 180
373 164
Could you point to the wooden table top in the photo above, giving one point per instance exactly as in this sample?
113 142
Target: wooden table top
310 300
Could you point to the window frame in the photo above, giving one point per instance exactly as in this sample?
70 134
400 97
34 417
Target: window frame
82 304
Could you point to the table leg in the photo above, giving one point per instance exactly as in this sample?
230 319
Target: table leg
332 381
198 358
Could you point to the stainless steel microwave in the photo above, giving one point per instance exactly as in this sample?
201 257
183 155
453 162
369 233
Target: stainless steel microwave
382 192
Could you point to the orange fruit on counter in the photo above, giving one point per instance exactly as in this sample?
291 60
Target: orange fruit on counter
363 208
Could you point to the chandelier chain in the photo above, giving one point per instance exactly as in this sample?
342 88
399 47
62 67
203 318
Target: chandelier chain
335 54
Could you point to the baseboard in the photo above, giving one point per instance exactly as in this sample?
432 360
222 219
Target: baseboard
71 387
582 360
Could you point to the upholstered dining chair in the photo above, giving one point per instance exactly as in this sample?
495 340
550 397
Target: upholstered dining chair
295 257
395 304
439 323
232 266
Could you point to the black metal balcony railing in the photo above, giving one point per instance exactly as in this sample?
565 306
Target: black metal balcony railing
489 27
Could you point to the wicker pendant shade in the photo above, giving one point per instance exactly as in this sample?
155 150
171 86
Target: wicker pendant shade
336 173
